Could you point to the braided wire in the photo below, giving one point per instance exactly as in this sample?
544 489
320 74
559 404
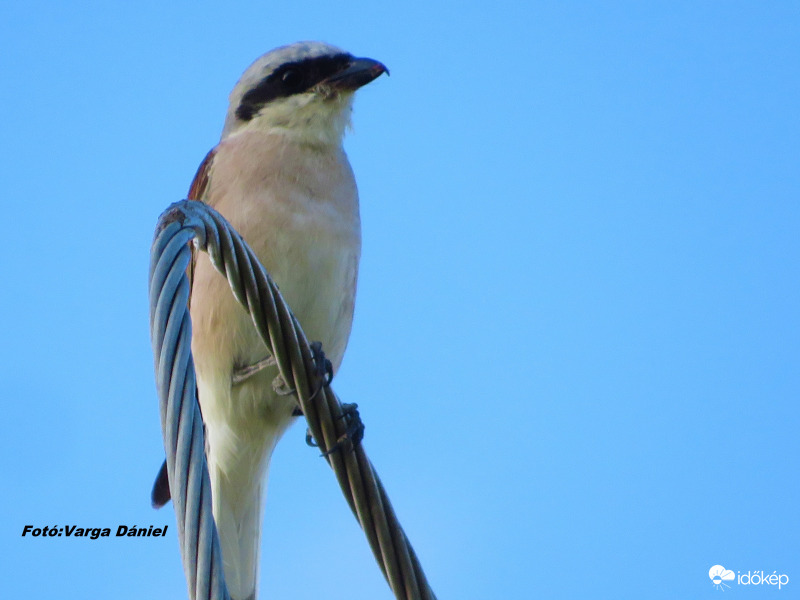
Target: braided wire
181 423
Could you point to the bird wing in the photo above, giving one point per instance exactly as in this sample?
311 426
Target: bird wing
197 191
160 493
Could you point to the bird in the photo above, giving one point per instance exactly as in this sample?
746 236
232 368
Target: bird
280 176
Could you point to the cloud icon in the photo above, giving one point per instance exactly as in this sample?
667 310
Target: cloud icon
718 574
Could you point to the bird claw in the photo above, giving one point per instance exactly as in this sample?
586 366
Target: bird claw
352 436
310 439
280 387
323 367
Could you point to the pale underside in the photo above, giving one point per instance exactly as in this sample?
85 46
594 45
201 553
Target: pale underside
297 207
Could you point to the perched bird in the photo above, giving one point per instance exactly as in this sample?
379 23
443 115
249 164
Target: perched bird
281 178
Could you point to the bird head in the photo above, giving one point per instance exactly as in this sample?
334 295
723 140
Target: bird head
304 90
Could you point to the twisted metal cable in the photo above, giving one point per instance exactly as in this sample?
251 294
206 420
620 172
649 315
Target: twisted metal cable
181 423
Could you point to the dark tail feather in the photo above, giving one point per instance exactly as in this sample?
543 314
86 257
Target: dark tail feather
160 494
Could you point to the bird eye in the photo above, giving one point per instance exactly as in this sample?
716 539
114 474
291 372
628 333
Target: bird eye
291 78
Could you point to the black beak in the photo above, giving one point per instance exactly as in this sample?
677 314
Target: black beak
359 72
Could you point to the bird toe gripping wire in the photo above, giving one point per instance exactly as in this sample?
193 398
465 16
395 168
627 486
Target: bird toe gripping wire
299 367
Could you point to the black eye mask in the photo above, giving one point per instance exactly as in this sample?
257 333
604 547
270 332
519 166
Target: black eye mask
289 79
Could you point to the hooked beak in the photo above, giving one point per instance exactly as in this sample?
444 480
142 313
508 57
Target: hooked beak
359 72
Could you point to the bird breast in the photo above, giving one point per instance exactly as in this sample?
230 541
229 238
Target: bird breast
297 207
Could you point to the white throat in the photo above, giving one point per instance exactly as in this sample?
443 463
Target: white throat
308 118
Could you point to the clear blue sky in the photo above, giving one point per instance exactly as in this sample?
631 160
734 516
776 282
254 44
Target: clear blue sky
577 336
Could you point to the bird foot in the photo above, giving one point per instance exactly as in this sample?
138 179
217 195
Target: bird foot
323 367
244 373
352 436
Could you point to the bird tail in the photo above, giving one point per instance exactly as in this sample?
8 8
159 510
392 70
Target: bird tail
238 511
239 445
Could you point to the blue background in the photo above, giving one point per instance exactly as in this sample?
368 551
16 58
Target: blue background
577 337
